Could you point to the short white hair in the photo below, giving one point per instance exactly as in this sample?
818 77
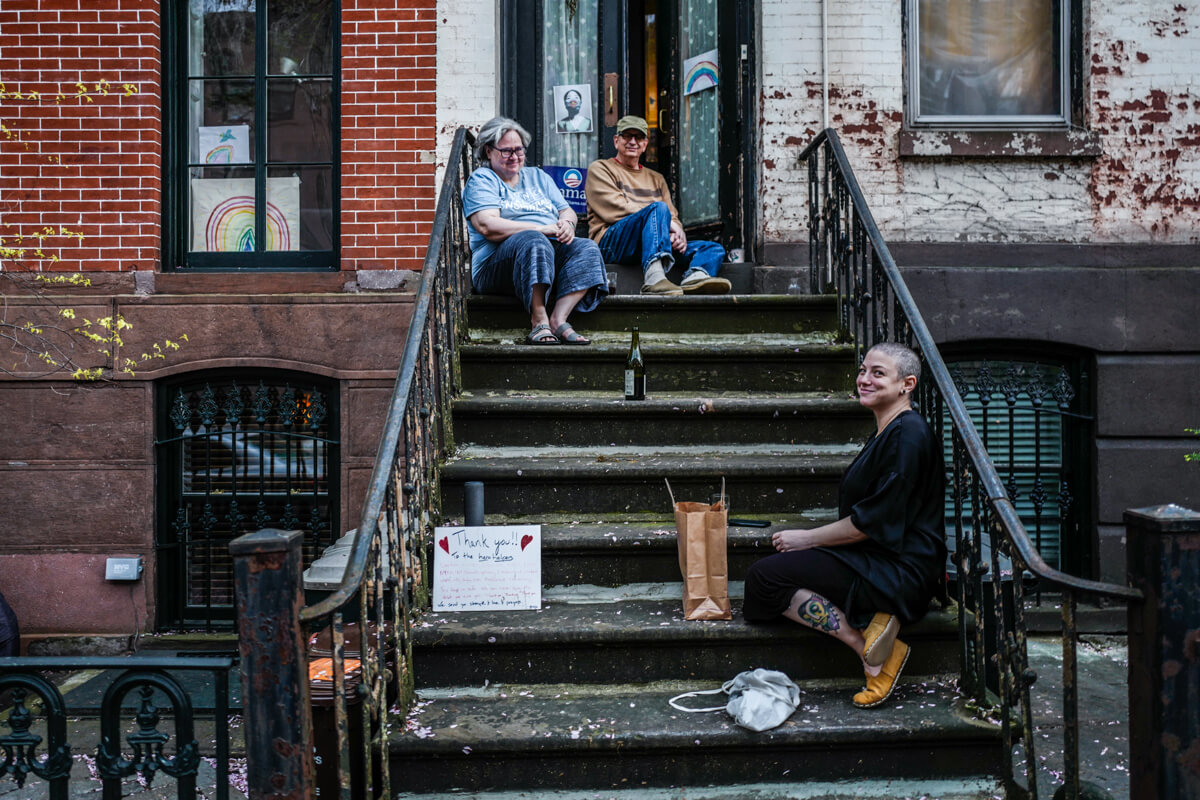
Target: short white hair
493 131
907 361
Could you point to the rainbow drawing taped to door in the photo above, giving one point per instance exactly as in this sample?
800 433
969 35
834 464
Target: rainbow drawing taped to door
223 214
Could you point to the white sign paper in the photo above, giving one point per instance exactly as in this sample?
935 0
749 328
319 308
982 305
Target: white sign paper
487 568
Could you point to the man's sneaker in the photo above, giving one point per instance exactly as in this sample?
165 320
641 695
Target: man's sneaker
663 287
700 282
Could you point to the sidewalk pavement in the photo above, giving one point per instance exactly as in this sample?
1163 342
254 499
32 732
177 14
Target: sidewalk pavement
1103 712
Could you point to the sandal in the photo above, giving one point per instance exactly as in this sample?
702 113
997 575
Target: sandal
541 335
567 335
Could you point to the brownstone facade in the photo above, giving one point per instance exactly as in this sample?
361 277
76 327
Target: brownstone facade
77 465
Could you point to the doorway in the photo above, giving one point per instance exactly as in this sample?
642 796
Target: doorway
572 68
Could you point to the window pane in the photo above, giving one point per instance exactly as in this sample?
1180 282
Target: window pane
300 37
222 121
698 118
989 58
570 36
222 209
300 210
299 122
221 34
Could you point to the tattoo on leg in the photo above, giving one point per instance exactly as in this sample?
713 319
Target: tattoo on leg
820 613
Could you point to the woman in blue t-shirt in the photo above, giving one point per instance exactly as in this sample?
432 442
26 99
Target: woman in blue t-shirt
523 237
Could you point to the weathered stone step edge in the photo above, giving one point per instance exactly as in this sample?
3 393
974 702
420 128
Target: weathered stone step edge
554 463
585 536
660 352
659 341
666 404
584 719
687 304
630 621
967 788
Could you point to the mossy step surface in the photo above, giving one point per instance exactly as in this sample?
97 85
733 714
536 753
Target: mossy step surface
578 418
589 637
621 736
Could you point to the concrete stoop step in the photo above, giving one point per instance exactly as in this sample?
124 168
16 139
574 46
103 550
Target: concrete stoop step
529 481
570 701
627 639
613 736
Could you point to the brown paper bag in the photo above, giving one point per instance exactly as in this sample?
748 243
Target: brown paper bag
700 530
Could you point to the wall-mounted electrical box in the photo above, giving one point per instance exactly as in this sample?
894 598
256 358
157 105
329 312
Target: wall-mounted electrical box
123 569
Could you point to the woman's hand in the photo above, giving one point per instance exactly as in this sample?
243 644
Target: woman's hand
793 539
834 534
564 230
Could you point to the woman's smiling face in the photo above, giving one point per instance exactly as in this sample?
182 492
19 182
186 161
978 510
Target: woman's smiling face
879 381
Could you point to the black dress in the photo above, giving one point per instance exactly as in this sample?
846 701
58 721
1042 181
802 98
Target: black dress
894 492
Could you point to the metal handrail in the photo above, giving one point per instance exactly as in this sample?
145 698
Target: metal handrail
370 612
997 494
389 440
848 255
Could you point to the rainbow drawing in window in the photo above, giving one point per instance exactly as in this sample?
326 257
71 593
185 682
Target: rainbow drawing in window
701 72
224 144
223 215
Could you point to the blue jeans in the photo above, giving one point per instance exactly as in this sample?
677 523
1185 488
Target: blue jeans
528 258
642 237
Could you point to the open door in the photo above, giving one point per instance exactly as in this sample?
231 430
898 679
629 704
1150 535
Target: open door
572 68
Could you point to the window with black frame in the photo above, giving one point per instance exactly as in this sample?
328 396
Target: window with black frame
254 122
1032 415
989 63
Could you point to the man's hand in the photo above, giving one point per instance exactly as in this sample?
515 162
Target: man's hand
678 237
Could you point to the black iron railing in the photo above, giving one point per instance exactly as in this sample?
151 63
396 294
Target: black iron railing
993 558
150 691
357 640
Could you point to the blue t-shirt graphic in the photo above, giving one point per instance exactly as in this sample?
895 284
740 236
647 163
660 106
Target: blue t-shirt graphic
535 198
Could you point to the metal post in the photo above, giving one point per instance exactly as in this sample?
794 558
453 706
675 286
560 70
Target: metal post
1163 555
267 570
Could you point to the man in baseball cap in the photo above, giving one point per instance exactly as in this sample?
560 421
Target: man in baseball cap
632 218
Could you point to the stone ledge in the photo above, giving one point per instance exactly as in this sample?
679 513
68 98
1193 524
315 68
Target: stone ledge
1063 143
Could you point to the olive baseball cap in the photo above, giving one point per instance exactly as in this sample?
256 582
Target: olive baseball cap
632 123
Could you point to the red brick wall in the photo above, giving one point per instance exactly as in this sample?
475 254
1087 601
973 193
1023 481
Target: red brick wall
388 132
109 187
108 184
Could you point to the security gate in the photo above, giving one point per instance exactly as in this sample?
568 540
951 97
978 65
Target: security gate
238 452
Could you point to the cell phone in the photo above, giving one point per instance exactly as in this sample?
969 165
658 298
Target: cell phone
750 523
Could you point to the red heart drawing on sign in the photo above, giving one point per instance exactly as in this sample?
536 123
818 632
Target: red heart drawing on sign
525 540
444 543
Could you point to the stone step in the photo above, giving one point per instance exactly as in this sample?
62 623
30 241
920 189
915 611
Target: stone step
582 418
734 313
673 364
634 640
620 737
539 480
970 788
612 553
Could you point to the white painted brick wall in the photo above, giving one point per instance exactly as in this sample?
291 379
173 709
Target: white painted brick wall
1143 99
1144 188
467 78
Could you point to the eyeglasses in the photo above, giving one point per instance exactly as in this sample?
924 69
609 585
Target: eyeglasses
510 152
638 135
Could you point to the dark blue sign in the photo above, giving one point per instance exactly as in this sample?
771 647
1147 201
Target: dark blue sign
570 181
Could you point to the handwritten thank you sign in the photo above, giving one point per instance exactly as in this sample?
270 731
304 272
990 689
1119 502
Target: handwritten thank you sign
488 568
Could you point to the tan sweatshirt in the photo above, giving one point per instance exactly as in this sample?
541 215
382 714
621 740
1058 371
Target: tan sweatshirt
614 192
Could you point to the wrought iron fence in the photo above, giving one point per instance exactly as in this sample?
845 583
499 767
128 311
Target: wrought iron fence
162 696
357 641
992 554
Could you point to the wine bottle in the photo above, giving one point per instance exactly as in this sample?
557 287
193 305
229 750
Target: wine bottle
635 371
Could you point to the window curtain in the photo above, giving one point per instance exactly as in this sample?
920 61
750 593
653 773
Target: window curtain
570 35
